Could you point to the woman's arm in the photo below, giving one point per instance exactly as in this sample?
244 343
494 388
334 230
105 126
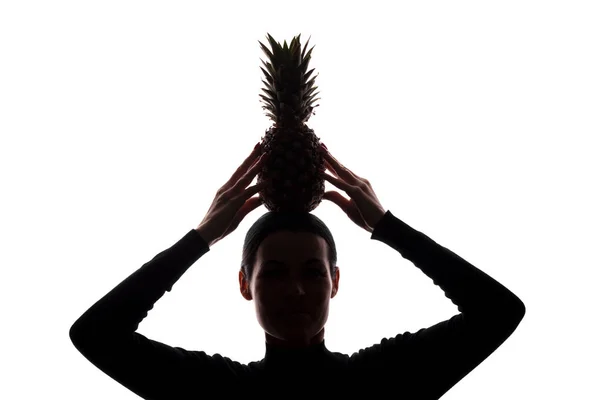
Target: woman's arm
434 359
106 333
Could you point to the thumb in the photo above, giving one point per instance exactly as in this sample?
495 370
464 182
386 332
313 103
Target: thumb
251 204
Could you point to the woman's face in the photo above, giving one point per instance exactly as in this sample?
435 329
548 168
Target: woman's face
291 286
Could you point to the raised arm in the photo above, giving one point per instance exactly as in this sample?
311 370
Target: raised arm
432 360
106 333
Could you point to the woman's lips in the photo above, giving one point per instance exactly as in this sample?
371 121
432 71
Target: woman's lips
295 313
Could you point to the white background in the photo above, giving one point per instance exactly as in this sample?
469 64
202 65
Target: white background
476 123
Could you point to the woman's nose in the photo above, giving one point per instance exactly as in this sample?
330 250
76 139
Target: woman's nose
297 287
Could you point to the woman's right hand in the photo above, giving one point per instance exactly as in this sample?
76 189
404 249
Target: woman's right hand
233 200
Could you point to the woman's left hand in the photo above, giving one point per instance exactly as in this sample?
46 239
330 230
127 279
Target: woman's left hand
363 208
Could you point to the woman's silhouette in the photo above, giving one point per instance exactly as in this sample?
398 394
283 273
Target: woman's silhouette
289 270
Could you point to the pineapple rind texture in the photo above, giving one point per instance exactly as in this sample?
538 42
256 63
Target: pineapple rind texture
292 168
293 161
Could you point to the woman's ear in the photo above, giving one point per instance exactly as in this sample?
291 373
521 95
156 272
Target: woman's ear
244 286
335 282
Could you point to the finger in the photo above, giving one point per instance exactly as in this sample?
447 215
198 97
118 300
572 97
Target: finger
250 174
241 170
338 199
341 184
250 205
345 204
252 190
348 206
337 167
329 167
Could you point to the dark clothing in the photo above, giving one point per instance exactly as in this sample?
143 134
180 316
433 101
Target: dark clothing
420 365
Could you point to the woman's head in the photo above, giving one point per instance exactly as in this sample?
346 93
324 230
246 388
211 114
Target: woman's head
288 265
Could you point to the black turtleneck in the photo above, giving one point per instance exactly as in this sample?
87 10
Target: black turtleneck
278 354
420 365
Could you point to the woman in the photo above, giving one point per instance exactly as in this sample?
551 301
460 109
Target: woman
289 270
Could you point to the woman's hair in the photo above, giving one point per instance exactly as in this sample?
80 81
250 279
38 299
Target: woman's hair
275 221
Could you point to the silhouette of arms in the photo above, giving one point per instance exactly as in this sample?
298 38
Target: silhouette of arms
422 365
432 360
106 333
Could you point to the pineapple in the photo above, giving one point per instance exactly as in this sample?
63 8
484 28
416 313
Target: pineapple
293 161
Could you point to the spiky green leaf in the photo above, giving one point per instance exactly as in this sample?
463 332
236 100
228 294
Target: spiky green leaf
268 100
268 76
266 50
308 55
312 81
305 45
269 68
270 108
313 102
268 85
309 92
270 115
308 74
305 61
313 96
277 50
270 93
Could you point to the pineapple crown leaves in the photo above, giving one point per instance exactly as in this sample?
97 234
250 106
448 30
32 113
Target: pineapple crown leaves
287 64
284 56
279 52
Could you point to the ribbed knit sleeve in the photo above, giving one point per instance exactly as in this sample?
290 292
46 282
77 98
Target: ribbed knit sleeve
430 361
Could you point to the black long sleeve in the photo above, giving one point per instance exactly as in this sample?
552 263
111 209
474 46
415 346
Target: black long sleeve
438 357
422 365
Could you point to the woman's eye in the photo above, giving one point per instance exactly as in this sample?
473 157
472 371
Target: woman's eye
312 271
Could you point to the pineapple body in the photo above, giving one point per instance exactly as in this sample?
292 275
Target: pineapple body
293 161
292 169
